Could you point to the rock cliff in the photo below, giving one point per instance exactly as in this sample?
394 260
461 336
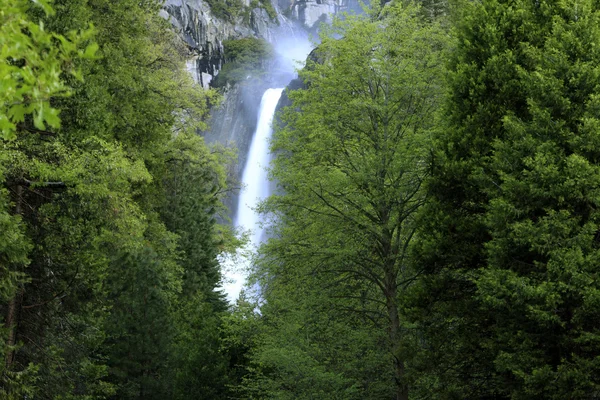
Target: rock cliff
204 33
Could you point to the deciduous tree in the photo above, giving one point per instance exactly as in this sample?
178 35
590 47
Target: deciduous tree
350 164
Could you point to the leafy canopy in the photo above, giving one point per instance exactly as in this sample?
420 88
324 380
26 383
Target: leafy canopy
32 61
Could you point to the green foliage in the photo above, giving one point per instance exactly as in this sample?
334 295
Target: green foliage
95 264
311 341
350 163
143 290
471 276
194 183
31 63
512 245
244 58
226 9
198 368
14 246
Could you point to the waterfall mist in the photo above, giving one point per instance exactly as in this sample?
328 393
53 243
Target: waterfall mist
255 189
290 54
291 47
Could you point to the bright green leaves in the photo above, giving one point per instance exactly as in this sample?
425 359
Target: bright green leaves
90 50
351 159
106 220
31 63
354 137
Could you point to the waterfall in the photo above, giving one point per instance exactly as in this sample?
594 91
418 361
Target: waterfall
254 179
256 189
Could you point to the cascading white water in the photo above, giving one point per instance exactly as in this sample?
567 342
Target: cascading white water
255 180
256 189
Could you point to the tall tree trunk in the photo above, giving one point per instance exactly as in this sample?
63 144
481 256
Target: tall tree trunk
14 305
391 294
12 320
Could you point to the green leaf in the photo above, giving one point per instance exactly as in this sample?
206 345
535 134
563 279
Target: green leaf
51 117
90 50
38 117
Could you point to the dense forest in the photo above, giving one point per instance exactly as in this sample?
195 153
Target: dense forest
435 233
108 207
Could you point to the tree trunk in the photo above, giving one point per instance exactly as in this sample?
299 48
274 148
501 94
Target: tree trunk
14 305
12 320
391 292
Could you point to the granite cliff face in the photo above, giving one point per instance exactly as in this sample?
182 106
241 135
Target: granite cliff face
204 35
311 12
234 121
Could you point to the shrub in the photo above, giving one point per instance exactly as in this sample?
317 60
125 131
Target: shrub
243 57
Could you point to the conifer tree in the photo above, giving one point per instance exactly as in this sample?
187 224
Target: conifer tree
511 242
94 263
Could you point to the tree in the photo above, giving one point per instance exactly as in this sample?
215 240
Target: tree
194 183
350 164
198 366
193 186
511 243
85 201
313 338
33 63
143 290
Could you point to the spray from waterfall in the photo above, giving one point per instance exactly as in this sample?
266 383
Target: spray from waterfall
291 48
256 189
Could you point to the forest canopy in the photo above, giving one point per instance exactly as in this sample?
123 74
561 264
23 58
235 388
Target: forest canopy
434 233
108 207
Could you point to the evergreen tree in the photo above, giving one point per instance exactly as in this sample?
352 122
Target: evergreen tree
140 327
92 278
511 241
193 185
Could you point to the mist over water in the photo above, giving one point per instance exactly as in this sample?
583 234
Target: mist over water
290 54
291 48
